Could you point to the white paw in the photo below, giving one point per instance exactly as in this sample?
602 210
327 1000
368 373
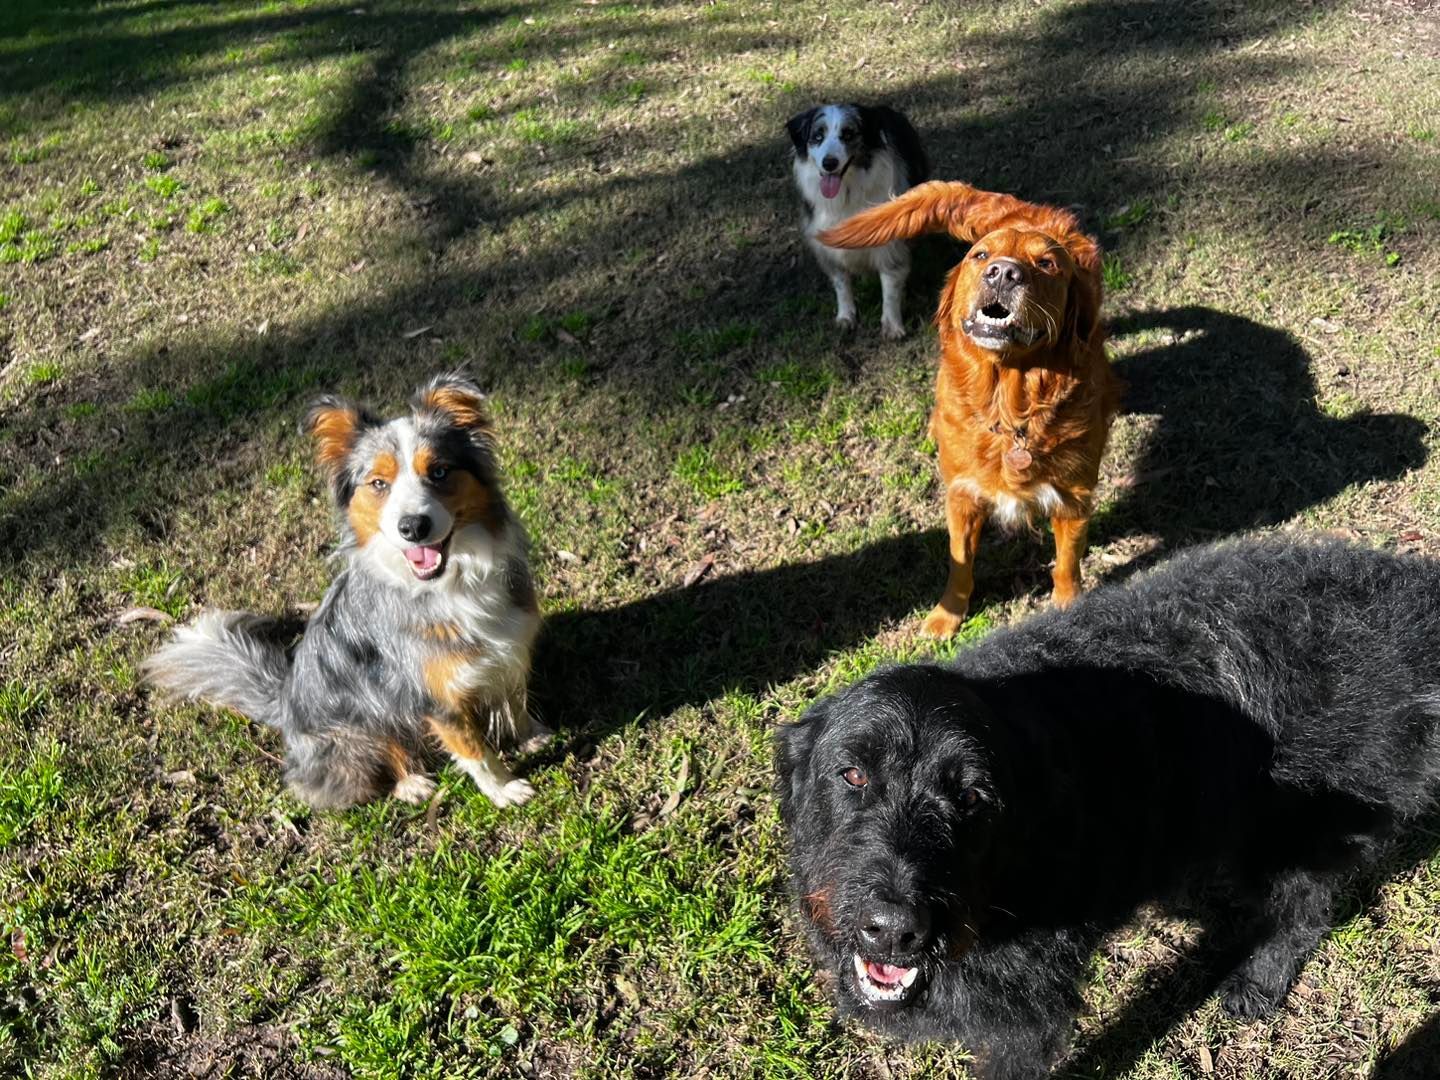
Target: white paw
414 788
511 793
892 330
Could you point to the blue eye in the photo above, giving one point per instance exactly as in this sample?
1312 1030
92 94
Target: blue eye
438 473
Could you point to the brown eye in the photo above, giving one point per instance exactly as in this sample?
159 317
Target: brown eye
380 486
854 777
980 256
969 798
1046 263
438 473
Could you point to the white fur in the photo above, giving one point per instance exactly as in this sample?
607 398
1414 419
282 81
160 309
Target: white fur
860 189
409 495
1014 511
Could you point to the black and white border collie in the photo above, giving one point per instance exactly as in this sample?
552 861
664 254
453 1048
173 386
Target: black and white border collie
422 642
848 158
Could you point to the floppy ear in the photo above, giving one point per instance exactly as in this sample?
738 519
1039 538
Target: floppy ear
799 128
335 425
458 399
1082 306
793 744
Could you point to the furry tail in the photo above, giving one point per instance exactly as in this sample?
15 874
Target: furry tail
220 658
965 212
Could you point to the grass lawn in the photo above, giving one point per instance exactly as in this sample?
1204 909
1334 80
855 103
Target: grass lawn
210 211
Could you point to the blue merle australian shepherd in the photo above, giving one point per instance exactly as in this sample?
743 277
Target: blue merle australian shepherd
422 642
849 158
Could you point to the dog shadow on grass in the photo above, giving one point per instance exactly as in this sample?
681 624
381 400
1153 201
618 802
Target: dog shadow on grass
1417 1058
599 670
1240 442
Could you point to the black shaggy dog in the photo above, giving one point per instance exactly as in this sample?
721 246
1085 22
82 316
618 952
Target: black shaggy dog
962 836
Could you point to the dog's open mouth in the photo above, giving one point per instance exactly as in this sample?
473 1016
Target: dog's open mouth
830 182
427 561
993 323
883 984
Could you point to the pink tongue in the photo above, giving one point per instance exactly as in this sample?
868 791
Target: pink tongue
424 557
829 185
885 973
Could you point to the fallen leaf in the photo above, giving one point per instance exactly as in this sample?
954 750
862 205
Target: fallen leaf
699 570
1411 536
88 334
408 334
1207 1063
678 791
303 231
263 328
565 336
432 812
568 557
142 614
17 945
179 778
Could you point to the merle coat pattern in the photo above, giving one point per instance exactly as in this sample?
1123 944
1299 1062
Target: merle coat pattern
1265 711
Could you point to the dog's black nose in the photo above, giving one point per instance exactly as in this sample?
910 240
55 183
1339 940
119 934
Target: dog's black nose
894 929
1006 273
830 163
414 526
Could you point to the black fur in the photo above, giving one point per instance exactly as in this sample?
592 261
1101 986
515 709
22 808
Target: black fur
1264 712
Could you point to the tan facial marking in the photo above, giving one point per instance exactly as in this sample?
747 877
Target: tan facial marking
368 500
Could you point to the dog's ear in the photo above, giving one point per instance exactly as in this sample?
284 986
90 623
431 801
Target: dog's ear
1082 306
793 744
799 128
335 424
455 398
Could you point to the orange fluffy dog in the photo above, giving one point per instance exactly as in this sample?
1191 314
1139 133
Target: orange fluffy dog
1025 394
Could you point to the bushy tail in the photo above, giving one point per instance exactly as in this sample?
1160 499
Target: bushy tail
220 658
965 212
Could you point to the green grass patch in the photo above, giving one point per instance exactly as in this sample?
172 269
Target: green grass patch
203 218
698 468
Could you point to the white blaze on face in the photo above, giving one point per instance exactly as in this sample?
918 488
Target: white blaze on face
832 120
410 497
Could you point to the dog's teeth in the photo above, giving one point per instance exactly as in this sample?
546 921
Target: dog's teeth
909 976
860 966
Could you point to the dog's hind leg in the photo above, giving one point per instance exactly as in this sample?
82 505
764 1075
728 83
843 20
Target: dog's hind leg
474 755
965 518
892 290
1295 916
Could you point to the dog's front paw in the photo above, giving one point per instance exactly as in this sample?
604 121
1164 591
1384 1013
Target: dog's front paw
1247 998
941 622
893 331
414 788
512 793
845 323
